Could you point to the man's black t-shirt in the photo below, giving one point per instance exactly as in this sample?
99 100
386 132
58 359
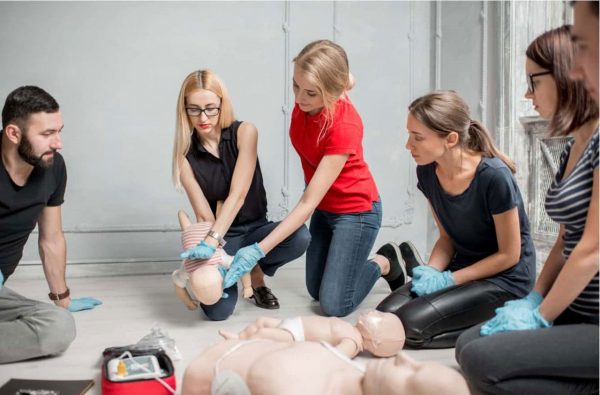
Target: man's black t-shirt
20 207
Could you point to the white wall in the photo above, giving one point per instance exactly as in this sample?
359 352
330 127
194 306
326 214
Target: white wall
116 68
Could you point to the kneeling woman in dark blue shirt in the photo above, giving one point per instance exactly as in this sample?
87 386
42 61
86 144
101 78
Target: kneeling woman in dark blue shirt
484 255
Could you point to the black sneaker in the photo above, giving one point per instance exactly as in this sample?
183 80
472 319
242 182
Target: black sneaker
410 256
397 274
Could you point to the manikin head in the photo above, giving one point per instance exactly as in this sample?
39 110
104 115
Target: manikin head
403 375
207 284
383 333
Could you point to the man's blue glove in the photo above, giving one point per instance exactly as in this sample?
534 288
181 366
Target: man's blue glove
223 272
426 280
514 319
85 303
1 279
201 251
243 261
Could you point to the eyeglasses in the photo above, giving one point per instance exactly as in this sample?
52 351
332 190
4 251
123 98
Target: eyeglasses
197 111
531 83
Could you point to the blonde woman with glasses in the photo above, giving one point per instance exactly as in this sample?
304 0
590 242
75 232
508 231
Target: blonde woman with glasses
215 161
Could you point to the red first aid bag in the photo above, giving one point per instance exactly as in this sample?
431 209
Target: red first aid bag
132 378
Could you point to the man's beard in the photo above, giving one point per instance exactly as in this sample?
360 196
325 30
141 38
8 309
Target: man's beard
25 150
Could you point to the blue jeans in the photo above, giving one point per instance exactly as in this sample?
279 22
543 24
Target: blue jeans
338 273
240 236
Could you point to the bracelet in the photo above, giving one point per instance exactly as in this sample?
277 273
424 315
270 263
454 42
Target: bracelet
217 237
61 296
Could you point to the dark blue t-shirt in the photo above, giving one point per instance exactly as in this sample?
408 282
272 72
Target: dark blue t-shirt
467 219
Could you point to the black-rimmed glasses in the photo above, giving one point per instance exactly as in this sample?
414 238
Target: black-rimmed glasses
531 83
197 111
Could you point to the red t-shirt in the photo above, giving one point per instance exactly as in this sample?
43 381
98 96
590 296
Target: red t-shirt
354 189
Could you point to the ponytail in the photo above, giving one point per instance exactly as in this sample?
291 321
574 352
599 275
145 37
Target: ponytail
481 141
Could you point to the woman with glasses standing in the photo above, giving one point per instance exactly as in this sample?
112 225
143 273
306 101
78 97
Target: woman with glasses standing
547 342
215 160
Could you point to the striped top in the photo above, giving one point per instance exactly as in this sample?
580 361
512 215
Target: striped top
567 203
193 235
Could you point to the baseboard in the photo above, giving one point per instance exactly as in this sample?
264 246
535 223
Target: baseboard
99 269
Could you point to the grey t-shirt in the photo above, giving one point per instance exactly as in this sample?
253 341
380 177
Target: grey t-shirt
467 219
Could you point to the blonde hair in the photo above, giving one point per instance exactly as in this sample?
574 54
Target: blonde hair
325 65
201 79
444 112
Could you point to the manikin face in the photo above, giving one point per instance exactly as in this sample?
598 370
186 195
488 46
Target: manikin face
403 375
424 144
383 334
307 95
585 38
41 139
203 99
545 92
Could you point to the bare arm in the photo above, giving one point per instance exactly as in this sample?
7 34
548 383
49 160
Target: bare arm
241 180
53 251
508 233
328 170
581 266
443 249
553 265
195 195
348 347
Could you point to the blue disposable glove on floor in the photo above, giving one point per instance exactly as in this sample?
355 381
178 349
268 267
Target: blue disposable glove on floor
85 303
201 251
514 319
426 280
243 261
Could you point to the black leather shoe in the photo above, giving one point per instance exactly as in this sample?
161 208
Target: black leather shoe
397 274
410 256
263 297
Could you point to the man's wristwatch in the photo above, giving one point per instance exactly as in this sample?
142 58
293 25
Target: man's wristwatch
61 296
217 237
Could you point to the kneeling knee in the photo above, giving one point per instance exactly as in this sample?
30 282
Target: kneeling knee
221 315
302 239
335 309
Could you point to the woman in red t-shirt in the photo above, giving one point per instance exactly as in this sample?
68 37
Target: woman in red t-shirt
340 198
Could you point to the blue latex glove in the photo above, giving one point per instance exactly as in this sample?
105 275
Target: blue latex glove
223 272
1 279
514 319
510 309
426 280
532 300
243 261
85 303
201 251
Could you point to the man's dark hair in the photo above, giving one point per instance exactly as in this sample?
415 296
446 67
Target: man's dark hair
24 101
594 6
